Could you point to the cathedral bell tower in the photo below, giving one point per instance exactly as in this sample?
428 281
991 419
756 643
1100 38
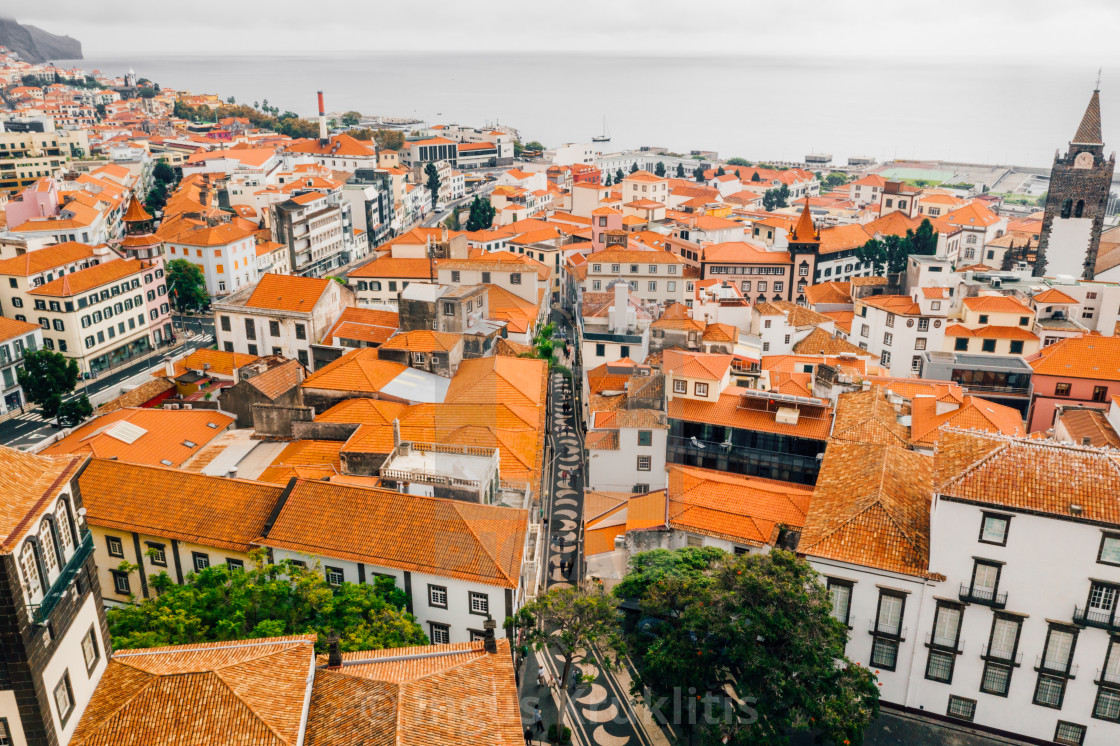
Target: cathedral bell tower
1076 202
804 249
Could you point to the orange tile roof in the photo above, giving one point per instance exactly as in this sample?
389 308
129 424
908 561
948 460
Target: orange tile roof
902 305
10 328
814 422
892 224
403 532
910 387
278 379
734 507
644 176
842 237
869 417
721 333
843 319
1088 356
393 267
838 293
499 380
364 325
996 304
709 366
79 282
30 484
176 504
358 371
409 684
287 293
423 340
1093 424
820 342
363 411
138 396
871 508
741 252
519 314
1019 473
169 436
972 215
990 332
252 691
220 362
1053 296
973 414
306 459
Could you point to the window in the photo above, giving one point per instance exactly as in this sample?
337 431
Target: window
1109 553
515 278
700 389
479 602
64 698
250 329
841 591
923 325
920 343
90 651
890 319
652 286
885 358
1069 733
62 520
1054 666
644 463
985 583
455 275
943 642
681 387
200 560
120 582
1061 389
694 541
156 554
988 345
225 323
993 529
335 576
888 630
864 330
437 596
440 633
888 338
1100 393
961 344
961 708
983 318
645 437
274 328
600 349
1016 347
116 548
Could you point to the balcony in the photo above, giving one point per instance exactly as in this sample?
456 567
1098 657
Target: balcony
1105 620
944 643
62 584
881 630
1052 668
1106 677
983 596
1001 656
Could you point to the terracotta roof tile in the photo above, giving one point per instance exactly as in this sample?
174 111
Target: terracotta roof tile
139 396
996 304
869 417
306 459
709 366
79 282
820 342
1092 424
217 362
1088 356
423 340
200 509
34 262
287 293
814 422
278 379
871 508
31 482
478 543
364 325
358 371
974 413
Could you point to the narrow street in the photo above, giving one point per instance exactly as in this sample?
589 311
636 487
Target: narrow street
600 711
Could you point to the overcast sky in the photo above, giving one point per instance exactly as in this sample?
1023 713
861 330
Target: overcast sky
1076 31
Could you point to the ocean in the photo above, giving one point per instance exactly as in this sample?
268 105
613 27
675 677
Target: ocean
1005 112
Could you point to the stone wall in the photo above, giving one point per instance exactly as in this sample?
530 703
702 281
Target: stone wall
275 420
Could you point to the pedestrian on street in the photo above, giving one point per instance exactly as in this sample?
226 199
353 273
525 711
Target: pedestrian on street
538 719
528 737
541 680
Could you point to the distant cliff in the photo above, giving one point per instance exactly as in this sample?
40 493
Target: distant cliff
36 45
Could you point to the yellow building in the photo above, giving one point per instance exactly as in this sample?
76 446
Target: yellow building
993 325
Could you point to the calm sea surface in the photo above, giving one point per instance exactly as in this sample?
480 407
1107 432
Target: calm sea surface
1010 113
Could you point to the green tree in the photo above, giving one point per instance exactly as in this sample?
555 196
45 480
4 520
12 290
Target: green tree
570 621
74 410
146 92
769 200
755 177
389 139
544 343
481 215
433 182
720 171
231 100
759 626
923 241
188 285
738 162
163 173
47 377
659 169
634 167
518 149
874 252
351 118
608 179
619 176
698 174
835 179
783 196
156 198
534 145
102 111
266 600
680 171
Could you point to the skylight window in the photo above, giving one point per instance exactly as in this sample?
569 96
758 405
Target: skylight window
165 461
189 443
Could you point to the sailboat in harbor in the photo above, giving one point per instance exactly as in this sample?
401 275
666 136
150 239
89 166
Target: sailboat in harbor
605 137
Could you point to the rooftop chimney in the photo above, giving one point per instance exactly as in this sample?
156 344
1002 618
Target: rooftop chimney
334 654
489 644
323 139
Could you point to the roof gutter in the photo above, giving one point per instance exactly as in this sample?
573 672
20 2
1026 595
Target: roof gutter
306 701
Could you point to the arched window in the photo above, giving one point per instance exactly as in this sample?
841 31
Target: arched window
1080 208
46 544
62 520
30 571
1067 208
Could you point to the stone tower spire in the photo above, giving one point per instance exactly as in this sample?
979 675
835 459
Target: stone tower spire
1089 131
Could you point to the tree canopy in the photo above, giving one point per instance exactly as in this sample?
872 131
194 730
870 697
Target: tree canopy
738 162
481 215
47 377
680 171
432 182
265 600
659 169
389 139
775 198
759 626
891 253
698 174
350 118
189 291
